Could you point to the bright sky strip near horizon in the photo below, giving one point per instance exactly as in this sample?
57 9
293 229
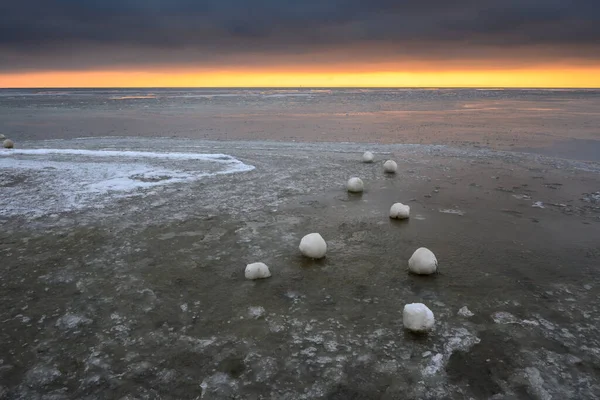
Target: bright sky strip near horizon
152 43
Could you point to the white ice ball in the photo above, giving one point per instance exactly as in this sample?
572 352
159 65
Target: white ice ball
417 317
422 262
355 185
8 144
2 136
313 246
390 166
399 211
257 270
368 157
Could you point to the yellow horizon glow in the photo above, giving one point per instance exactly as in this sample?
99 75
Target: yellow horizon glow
576 77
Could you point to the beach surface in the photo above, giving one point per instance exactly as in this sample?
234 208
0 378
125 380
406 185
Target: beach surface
122 270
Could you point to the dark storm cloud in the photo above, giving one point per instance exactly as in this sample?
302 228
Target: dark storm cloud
39 34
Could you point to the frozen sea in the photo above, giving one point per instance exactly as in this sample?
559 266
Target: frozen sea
127 218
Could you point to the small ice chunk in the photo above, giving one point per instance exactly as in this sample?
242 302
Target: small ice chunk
503 317
42 375
256 312
220 385
399 211
417 317
257 270
423 262
368 157
72 321
8 144
2 136
265 369
452 211
538 204
313 246
390 166
435 365
465 312
536 383
355 185
331 346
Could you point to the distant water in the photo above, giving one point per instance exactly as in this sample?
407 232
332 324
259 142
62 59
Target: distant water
559 122
393 99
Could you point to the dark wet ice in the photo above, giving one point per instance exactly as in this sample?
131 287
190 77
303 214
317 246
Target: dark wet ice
138 290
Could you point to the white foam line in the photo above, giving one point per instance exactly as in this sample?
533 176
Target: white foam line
235 165
122 153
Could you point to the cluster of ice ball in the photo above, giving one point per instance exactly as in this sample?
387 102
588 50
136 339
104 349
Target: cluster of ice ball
416 317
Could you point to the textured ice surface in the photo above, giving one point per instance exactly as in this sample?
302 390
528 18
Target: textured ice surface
503 317
47 180
146 298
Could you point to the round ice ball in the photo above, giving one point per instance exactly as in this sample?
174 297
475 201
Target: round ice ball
8 144
313 246
390 166
355 185
368 157
399 211
2 136
417 317
257 270
422 262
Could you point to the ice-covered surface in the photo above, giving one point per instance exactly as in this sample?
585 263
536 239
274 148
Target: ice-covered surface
49 180
145 297
558 123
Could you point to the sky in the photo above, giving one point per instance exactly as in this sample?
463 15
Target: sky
432 43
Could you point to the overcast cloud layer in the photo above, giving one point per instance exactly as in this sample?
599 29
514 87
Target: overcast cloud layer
76 34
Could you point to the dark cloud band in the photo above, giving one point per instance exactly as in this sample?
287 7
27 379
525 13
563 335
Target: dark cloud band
39 34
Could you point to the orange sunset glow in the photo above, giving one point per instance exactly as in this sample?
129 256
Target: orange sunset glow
560 78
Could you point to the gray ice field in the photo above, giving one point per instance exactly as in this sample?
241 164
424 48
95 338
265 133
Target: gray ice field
122 272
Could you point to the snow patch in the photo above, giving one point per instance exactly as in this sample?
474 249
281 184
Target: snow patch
46 181
452 211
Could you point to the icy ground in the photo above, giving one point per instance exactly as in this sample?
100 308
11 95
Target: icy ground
143 296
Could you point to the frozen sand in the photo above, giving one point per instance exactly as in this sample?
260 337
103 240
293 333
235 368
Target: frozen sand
136 297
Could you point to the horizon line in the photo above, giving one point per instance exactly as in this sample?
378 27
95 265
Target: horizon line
305 87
